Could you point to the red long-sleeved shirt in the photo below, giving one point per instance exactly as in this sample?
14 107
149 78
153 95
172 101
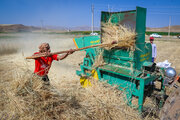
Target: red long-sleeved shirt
43 64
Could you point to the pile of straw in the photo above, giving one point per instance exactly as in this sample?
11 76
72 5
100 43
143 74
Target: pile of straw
100 101
124 36
27 98
31 99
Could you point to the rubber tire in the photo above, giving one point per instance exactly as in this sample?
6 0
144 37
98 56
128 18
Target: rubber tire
171 108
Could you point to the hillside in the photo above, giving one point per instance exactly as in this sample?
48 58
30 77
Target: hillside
17 28
77 28
23 28
175 28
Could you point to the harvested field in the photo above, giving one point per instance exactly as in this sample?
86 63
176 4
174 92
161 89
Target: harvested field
23 96
169 51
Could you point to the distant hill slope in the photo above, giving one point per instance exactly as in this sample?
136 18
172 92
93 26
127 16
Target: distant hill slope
77 28
23 28
175 28
17 28
84 28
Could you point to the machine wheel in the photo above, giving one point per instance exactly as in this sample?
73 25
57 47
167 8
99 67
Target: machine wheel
171 108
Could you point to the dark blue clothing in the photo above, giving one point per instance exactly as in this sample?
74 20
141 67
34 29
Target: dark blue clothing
153 59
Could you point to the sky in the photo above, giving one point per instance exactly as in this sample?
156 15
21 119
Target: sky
73 13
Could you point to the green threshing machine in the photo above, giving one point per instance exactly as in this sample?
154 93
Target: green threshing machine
130 70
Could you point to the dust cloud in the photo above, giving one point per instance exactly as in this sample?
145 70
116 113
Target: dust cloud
23 45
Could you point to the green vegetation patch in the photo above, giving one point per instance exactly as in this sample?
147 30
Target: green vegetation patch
7 37
163 33
80 32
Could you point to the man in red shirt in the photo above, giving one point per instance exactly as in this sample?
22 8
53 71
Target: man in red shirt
43 64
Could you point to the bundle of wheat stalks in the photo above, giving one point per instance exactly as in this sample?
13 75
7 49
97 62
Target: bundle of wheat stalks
124 36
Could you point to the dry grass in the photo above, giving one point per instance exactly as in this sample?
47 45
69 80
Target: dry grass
8 48
169 50
28 98
99 61
124 36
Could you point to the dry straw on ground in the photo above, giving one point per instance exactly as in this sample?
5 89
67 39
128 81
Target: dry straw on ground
28 98
8 48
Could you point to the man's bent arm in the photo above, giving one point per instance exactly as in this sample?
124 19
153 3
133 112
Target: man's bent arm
65 55
62 56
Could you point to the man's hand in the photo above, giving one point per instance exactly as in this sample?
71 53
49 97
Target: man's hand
114 42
